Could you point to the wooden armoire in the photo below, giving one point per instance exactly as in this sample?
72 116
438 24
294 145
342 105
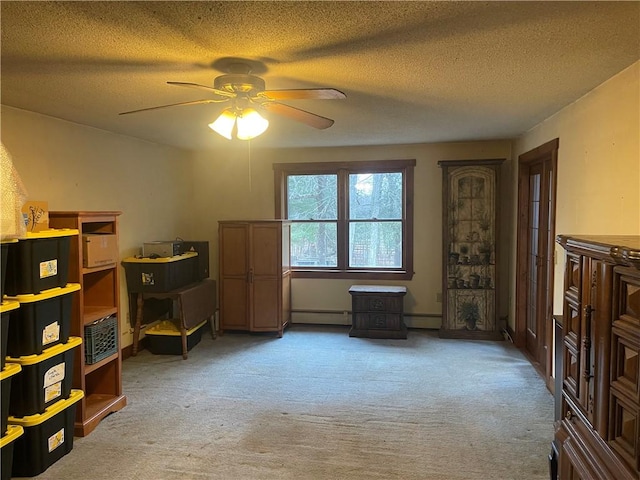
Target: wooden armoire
255 275
598 433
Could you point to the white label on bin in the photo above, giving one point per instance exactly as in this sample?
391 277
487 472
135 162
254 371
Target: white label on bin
49 268
56 440
51 333
54 375
52 391
147 279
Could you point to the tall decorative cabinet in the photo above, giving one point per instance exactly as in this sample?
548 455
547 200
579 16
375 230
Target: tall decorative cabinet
470 238
98 298
598 434
255 275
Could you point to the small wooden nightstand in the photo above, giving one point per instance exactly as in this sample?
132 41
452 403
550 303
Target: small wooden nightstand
377 311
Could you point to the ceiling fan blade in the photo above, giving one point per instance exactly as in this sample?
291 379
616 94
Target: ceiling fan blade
204 87
305 94
195 102
311 119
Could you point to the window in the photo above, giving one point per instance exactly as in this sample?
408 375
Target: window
348 220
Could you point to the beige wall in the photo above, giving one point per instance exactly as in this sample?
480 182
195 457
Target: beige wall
74 167
598 189
239 184
165 192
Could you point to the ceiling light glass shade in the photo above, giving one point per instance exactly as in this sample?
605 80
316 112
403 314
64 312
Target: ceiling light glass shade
223 125
251 124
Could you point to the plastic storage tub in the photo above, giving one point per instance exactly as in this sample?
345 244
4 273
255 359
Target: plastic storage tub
7 372
6 447
153 275
45 379
39 261
5 316
3 266
165 338
47 437
42 321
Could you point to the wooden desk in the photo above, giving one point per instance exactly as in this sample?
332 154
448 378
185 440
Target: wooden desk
196 302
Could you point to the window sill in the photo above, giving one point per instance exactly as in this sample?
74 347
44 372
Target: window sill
352 274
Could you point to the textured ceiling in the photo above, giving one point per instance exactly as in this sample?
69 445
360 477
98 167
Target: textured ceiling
413 72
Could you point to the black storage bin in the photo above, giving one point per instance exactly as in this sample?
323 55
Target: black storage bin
47 437
153 275
42 321
7 443
6 374
44 380
3 266
202 249
39 261
5 317
165 338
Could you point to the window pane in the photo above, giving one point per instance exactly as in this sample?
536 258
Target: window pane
375 196
375 244
312 197
314 244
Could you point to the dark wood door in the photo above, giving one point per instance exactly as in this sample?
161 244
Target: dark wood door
536 247
535 253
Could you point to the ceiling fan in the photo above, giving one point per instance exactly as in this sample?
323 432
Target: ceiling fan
246 94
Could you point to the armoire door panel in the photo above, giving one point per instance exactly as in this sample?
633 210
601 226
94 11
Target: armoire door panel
265 250
234 243
573 277
265 305
233 293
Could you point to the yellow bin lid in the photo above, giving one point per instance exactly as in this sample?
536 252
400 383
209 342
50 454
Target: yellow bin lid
175 258
167 327
51 411
51 233
13 432
47 353
8 240
9 370
8 305
46 294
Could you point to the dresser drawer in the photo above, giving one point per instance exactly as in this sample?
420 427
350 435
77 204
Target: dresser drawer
377 303
378 321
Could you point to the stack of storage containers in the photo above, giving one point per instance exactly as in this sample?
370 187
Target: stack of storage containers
41 402
8 433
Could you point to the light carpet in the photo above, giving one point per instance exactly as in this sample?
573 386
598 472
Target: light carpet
317 404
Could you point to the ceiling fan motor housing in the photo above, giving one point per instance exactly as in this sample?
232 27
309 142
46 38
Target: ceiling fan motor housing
239 83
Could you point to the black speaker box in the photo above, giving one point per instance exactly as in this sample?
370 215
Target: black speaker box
202 248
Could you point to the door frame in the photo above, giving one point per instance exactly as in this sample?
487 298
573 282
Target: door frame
547 152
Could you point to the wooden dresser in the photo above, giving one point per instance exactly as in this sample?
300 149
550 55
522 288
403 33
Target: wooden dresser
377 311
598 434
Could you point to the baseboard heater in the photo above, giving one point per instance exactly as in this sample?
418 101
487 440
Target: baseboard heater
343 317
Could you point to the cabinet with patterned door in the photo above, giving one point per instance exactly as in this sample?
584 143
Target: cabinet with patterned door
470 253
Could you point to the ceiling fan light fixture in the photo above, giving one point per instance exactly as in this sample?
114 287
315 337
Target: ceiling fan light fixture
224 124
251 124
